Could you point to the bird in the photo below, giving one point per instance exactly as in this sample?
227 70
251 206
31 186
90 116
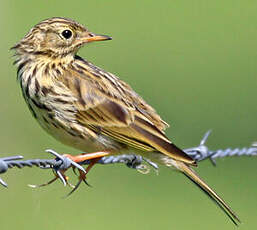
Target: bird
90 109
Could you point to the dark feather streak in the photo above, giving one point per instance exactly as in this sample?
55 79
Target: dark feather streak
45 90
46 121
37 87
22 65
32 111
46 71
27 87
40 105
34 71
54 125
58 72
59 100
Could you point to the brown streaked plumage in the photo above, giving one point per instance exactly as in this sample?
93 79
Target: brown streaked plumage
88 108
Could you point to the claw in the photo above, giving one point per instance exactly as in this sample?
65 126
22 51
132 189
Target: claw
82 177
89 185
58 175
74 170
70 185
42 185
74 189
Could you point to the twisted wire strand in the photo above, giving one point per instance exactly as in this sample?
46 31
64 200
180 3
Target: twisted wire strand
60 162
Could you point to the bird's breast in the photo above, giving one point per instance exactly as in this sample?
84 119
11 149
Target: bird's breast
54 108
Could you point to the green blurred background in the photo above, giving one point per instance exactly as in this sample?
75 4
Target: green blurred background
195 62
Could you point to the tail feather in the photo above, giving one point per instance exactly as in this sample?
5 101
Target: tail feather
192 175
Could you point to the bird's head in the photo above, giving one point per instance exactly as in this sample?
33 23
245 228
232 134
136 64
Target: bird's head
56 37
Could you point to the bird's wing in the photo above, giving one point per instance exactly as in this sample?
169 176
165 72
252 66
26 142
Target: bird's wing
107 104
119 90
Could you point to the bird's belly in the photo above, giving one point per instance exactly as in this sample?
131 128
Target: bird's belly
71 139
77 136
72 134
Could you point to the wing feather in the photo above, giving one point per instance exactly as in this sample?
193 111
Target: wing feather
108 104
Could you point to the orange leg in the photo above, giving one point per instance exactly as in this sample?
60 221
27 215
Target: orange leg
93 157
87 156
82 175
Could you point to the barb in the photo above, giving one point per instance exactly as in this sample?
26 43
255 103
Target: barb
202 152
60 163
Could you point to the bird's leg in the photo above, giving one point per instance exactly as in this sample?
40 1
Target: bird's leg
82 175
87 156
93 157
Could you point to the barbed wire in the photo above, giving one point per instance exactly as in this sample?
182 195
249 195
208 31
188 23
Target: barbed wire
61 162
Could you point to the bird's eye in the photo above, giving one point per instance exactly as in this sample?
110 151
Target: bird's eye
67 34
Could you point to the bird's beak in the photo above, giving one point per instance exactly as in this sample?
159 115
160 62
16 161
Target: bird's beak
97 37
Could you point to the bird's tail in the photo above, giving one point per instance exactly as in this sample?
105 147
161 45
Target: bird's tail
192 175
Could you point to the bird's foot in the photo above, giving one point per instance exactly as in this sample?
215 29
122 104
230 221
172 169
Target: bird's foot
82 175
67 161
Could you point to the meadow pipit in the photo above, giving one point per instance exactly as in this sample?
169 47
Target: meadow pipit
90 109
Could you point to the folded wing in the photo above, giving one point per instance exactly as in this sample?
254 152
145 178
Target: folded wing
108 104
